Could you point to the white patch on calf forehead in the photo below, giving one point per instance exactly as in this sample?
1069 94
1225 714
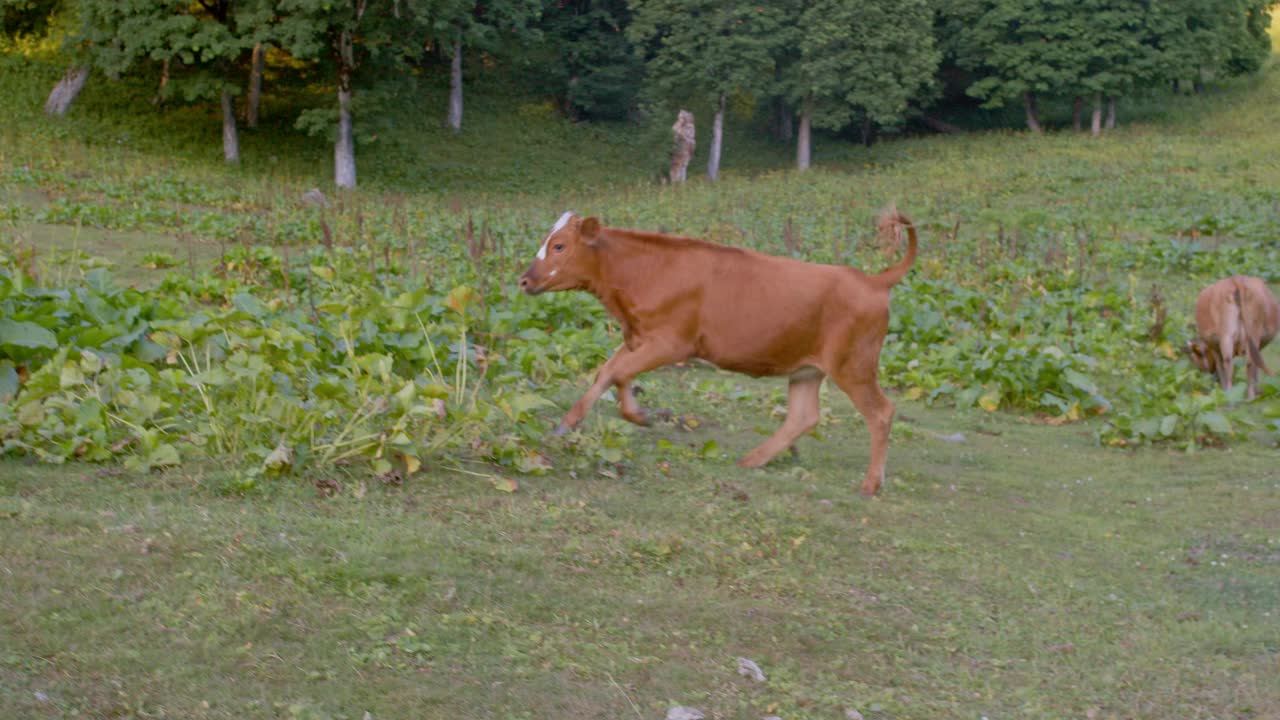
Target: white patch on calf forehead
564 220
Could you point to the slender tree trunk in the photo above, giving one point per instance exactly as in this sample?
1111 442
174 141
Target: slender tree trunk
783 120
158 98
344 151
255 86
1095 128
1077 113
230 139
1033 112
941 126
455 87
868 131
804 138
1111 112
717 140
65 92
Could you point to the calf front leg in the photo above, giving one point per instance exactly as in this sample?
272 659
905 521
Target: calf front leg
619 370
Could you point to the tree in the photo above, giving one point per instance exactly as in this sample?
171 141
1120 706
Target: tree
1110 41
361 44
467 23
1019 49
1199 39
597 71
860 60
199 43
709 48
20 18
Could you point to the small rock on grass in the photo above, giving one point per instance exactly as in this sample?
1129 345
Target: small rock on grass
682 712
315 198
851 714
749 669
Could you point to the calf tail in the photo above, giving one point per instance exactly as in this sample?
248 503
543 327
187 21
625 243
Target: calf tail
1250 342
1255 354
891 219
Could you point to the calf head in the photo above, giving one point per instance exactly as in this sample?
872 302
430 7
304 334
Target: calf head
567 258
1201 356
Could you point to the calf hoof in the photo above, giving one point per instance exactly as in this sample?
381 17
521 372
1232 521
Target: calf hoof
641 419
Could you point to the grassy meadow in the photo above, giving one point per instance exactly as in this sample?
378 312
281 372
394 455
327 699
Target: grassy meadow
262 459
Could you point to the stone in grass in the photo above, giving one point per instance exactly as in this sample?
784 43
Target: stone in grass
749 669
851 714
681 712
315 198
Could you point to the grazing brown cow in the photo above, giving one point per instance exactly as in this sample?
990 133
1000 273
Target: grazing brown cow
679 298
1236 316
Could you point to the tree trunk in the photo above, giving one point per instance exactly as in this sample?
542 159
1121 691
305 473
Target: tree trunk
804 138
65 92
868 131
717 139
1111 112
941 126
1095 128
1077 114
1033 112
255 86
158 98
455 87
684 141
230 139
344 151
783 120
344 148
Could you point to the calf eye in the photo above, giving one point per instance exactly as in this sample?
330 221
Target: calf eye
559 247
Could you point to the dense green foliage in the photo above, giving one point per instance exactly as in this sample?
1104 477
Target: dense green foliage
861 60
1024 49
849 64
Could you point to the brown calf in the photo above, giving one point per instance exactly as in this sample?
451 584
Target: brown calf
679 298
1236 316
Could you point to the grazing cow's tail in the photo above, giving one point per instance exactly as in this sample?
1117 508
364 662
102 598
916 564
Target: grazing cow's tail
891 220
1255 354
1250 342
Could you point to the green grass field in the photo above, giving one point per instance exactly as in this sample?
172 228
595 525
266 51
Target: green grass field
1014 566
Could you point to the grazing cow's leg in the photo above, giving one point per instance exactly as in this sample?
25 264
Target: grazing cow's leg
1253 378
1225 367
619 370
878 412
802 416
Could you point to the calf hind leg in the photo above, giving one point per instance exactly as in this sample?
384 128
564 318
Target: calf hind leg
802 416
878 412
1225 365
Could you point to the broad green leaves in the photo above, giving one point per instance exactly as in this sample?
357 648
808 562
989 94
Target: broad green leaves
26 334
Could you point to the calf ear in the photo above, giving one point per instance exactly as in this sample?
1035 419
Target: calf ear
589 230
